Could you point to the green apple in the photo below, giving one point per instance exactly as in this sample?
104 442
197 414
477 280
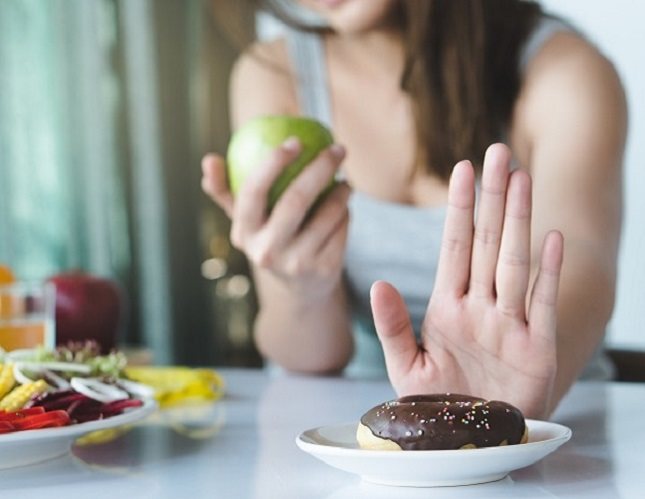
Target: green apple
254 142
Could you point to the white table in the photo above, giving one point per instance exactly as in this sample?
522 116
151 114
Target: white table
243 446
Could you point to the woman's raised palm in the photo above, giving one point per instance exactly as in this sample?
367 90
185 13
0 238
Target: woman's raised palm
485 333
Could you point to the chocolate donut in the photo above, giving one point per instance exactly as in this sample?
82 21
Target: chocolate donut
442 421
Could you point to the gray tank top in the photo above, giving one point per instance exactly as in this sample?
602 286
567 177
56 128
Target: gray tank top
389 241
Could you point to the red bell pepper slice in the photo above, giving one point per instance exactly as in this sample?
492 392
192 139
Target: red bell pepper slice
12 416
50 419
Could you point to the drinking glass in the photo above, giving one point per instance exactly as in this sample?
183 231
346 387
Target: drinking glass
27 314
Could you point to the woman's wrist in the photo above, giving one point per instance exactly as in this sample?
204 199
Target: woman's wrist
305 335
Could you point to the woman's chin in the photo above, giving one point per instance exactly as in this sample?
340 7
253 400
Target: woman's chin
352 16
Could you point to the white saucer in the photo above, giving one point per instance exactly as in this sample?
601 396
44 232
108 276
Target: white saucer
21 448
336 445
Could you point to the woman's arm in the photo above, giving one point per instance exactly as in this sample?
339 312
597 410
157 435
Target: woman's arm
570 127
507 319
303 322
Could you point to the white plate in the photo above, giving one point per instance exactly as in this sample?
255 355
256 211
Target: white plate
337 446
33 446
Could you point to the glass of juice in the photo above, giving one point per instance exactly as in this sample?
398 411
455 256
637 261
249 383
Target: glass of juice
27 312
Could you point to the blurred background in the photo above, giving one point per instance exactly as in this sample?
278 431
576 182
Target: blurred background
106 108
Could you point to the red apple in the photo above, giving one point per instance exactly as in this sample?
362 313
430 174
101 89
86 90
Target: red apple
88 307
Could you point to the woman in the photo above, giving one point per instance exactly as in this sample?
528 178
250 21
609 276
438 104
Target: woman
410 88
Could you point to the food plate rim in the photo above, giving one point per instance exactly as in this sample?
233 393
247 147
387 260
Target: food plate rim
564 434
129 416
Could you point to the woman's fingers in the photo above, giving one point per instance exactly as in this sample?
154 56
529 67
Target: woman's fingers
489 221
296 201
514 261
324 222
542 306
319 247
454 260
251 202
331 253
215 183
394 329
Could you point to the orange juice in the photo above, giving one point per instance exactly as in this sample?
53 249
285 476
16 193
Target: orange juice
27 315
22 334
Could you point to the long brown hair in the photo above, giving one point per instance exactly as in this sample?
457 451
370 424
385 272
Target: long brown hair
461 71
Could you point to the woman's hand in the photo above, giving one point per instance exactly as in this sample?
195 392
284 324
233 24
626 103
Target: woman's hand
302 248
484 334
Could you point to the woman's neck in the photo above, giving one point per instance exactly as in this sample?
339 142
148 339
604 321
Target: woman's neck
376 53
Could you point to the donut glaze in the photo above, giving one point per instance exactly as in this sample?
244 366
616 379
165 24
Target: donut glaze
442 421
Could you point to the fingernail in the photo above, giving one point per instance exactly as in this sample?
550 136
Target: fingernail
291 144
337 151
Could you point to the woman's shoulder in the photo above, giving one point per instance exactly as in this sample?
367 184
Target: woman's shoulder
565 82
568 54
262 81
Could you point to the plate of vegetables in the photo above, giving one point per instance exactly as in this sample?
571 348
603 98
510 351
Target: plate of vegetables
49 398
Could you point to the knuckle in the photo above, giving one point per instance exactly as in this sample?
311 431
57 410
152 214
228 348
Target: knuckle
508 309
331 161
480 288
254 188
494 191
263 258
514 259
323 166
326 156
297 199
550 273
454 244
486 236
544 298
262 255
296 266
279 156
